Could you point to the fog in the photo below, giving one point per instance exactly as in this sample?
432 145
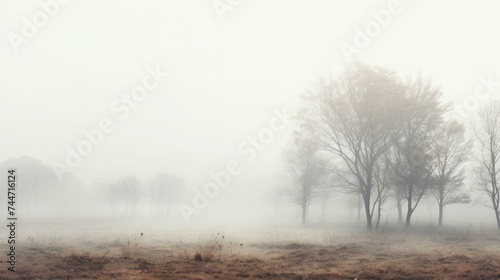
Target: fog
225 78
187 116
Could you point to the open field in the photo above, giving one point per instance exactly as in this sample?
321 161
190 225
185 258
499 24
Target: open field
112 252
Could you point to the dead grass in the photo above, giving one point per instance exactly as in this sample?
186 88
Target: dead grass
84 261
210 249
36 240
132 248
382 255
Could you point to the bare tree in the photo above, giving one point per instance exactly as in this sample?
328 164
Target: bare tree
164 190
131 191
304 175
353 119
451 151
412 165
486 132
398 194
126 191
383 181
35 178
110 193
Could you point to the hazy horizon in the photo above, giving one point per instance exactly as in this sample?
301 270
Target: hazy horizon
217 78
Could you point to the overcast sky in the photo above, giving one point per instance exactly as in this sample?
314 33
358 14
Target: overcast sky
226 77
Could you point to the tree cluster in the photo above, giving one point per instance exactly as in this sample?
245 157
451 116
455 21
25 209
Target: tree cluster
373 134
124 194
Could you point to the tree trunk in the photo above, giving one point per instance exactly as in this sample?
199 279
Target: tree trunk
408 218
304 211
441 205
369 224
359 208
379 210
498 217
410 211
441 208
379 214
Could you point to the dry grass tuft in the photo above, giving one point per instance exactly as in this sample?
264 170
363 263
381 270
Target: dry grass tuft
210 250
37 240
132 248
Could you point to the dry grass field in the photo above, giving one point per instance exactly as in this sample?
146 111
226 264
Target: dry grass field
113 252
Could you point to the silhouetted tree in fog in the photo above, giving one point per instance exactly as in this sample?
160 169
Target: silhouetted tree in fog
126 191
131 191
304 177
110 193
398 194
163 191
486 133
33 178
353 119
450 152
412 162
383 182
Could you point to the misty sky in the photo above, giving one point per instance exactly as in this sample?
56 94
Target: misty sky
225 77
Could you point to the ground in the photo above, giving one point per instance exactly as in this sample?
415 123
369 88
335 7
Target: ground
97 252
